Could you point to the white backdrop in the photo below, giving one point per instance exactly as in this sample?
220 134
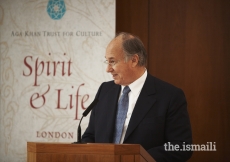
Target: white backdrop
52 54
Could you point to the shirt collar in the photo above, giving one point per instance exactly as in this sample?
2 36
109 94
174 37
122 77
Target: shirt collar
137 85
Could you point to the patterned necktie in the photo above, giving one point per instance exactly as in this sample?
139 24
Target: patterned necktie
122 109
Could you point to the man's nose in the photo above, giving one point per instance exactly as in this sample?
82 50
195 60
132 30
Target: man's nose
109 68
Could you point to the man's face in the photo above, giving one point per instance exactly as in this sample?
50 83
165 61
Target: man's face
121 71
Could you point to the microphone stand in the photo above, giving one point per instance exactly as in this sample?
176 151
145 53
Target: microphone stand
79 133
85 113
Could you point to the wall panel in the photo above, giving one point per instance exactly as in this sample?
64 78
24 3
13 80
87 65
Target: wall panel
189 46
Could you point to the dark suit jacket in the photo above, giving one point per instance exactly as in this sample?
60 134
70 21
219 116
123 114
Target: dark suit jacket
159 116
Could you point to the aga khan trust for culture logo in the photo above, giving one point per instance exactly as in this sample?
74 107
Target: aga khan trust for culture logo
56 9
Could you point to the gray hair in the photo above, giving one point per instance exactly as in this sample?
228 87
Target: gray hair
132 45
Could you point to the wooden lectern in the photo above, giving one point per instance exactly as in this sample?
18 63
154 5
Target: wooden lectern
66 152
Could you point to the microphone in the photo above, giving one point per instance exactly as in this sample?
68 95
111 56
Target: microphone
84 114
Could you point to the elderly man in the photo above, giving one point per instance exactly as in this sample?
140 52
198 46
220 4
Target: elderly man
137 108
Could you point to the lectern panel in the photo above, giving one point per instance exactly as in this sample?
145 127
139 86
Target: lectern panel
62 152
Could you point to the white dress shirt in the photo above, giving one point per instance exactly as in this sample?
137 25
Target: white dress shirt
135 88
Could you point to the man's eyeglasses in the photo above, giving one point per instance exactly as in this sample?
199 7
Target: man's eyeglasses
111 62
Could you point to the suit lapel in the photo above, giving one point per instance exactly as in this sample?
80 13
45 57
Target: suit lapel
143 105
111 99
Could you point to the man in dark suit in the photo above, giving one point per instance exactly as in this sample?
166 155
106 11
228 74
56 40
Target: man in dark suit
156 115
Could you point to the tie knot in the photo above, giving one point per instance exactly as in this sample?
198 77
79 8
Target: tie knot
126 90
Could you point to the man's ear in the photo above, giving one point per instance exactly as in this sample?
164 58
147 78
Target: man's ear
135 60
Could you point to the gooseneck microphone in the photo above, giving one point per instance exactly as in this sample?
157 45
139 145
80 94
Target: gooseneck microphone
85 113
